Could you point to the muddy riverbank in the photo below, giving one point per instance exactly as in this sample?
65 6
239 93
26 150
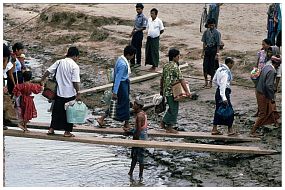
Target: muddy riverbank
101 31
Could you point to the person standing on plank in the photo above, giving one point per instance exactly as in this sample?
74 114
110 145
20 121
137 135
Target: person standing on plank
121 88
68 81
222 79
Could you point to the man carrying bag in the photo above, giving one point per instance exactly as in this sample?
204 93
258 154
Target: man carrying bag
68 80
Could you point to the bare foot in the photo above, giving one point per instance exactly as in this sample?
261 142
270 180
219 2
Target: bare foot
152 69
127 129
127 125
255 135
101 122
217 133
205 85
256 114
210 84
162 125
26 130
21 127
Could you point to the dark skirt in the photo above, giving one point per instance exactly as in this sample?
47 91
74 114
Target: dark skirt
210 64
123 106
58 117
217 119
152 51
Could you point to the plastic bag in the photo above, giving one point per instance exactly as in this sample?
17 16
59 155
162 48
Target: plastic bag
225 111
76 113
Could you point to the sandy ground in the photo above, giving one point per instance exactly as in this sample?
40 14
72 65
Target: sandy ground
243 27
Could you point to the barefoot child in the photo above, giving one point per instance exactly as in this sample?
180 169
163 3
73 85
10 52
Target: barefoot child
139 133
26 103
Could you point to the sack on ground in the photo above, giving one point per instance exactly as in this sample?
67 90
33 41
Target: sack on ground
106 98
50 89
225 111
160 104
178 91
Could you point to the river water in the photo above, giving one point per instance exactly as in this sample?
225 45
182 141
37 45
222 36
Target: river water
47 163
36 162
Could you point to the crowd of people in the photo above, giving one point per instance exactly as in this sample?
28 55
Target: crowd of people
18 85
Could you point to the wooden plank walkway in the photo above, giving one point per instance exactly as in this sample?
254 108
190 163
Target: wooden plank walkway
141 143
151 132
132 80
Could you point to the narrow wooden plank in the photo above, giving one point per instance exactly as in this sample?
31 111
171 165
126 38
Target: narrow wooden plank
141 143
151 132
132 80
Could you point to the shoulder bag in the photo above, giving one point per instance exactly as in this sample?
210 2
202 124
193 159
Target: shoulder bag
50 87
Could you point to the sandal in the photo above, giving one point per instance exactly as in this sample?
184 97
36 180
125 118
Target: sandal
69 135
21 127
26 130
101 124
232 134
217 133
255 135
50 132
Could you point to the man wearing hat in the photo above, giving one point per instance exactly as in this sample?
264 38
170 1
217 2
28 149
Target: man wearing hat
266 97
139 133
137 34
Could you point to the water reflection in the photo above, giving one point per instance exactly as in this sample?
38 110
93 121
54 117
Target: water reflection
35 162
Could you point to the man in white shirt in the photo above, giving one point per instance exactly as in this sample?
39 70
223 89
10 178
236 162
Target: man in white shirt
68 80
222 79
155 29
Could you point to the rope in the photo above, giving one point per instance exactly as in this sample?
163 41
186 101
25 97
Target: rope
29 19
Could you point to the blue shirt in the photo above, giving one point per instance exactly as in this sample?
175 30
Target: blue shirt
140 21
120 73
18 66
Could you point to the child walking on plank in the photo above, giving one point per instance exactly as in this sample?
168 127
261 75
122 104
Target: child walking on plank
27 107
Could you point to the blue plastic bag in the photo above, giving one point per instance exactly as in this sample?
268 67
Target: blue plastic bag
225 111
76 113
